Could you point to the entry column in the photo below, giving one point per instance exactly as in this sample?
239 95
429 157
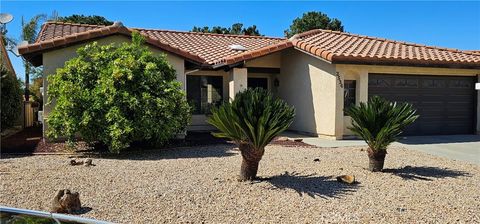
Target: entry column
237 81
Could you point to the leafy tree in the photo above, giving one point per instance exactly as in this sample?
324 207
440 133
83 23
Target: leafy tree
29 33
379 122
35 90
117 94
252 120
92 20
11 102
236 28
313 20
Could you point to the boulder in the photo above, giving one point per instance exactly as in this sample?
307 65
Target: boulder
348 179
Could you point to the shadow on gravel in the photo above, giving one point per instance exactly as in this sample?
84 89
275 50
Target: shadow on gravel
425 173
176 153
312 185
83 210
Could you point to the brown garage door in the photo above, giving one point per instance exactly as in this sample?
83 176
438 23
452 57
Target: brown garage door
446 104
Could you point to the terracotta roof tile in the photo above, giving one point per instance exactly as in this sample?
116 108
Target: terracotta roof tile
209 49
52 30
213 50
339 47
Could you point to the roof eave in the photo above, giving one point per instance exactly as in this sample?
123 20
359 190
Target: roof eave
236 60
404 62
35 50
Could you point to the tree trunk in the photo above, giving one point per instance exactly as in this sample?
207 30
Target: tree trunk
376 160
27 82
251 158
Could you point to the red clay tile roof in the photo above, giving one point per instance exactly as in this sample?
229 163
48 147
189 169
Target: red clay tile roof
212 50
340 47
58 30
473 51
202 48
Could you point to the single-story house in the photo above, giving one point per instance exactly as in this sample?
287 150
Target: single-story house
319 72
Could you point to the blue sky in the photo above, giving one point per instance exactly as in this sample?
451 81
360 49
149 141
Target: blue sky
446 24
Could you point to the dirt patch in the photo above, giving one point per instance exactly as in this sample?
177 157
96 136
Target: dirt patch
290 143
30 141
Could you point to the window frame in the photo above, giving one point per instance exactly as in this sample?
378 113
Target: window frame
349 86
220 91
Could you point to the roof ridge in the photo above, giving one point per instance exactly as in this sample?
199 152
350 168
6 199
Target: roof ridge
209 34
315 31
75 24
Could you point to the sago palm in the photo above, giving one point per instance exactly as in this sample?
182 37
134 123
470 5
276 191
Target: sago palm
252 120
379 122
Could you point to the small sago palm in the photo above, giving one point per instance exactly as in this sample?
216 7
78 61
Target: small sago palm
252 120
379 122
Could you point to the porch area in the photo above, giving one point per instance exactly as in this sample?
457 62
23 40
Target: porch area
209 88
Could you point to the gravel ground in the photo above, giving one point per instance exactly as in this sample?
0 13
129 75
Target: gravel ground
199 185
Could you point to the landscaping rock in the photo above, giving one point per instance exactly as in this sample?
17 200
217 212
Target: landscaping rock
74 162
282 139
66 202
88 162
348 179
298 140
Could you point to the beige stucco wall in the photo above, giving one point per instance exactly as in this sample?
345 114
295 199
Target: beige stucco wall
310 85
55 59
360 74
268 61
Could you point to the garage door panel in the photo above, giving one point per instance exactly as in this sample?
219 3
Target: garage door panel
446 104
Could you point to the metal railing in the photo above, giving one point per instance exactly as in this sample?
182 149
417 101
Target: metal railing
58 218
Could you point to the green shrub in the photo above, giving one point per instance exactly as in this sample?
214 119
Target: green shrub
252 120
117 94
11 99
379 122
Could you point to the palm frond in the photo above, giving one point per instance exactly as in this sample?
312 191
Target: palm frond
255 117
379 122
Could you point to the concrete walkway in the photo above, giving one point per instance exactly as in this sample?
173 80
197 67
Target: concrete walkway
457 147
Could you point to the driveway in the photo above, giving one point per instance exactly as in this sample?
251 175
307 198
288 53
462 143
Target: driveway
457 147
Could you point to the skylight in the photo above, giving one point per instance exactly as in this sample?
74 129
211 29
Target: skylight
238 47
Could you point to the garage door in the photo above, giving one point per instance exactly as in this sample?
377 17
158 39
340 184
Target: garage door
446 104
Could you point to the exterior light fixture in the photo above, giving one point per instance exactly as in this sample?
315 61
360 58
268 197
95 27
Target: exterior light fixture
276 82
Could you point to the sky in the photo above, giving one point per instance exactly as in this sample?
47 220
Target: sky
446 24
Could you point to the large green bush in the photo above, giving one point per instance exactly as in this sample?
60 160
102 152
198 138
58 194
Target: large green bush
11 99
117 94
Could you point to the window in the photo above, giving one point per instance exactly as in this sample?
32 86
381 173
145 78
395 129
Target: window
257 83
204 92
349 94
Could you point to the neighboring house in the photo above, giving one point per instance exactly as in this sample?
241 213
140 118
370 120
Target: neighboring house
5 60
319 72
